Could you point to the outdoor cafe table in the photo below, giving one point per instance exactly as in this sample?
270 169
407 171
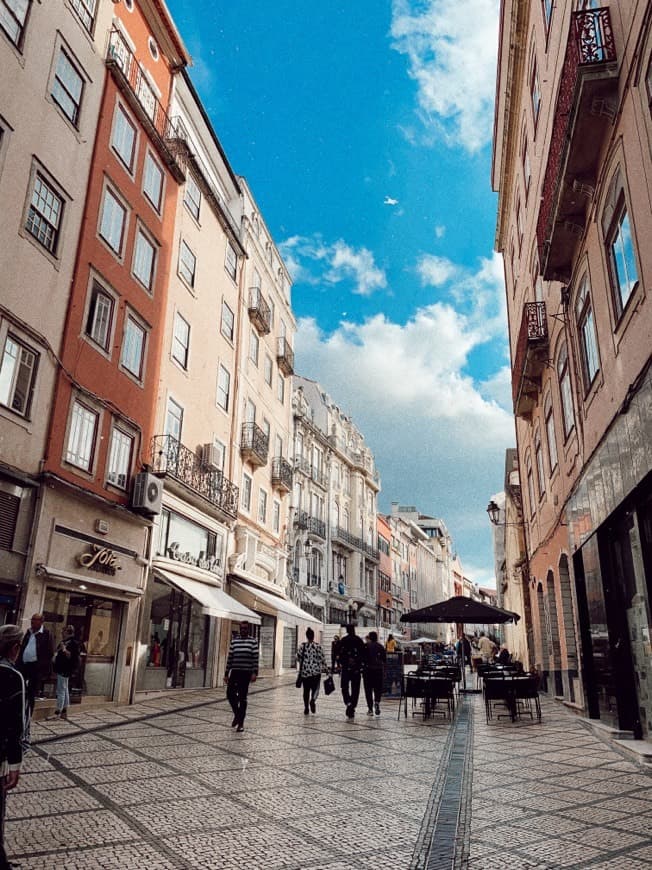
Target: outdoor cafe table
510 684
421 685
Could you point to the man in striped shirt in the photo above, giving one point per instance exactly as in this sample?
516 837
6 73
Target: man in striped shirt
241 669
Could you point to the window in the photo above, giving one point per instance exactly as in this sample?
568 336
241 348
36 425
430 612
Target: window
133 347
254 345
81 437
144 259
527 170
262 506
112 221
268 370
17 376
192 196
13 16
538 455
223 388
180 341
563 375
276 517
587 334
550 433
153 181
123 137
272 312
220 451
67 87
187 264
535 92
250 412
519 224
100 316
280 388
547 12
85 10
231 261
278 446
624 275
226 327
246 492
44 214
267 429
174 420
530 487
120 453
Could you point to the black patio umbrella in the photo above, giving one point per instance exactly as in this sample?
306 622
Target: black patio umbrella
464 610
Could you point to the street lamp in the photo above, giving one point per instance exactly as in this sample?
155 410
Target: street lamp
494 516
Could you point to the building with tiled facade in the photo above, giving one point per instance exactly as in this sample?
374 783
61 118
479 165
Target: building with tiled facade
572 165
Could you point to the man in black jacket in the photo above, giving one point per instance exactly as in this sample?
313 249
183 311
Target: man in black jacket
35 660
12 724
241 669
374 673
351 657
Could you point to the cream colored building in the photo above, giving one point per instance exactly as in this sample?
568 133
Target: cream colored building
572 165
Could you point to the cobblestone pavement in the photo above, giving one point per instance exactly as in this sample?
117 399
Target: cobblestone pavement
167 784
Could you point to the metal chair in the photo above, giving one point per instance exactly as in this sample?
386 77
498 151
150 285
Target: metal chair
526 691
497 692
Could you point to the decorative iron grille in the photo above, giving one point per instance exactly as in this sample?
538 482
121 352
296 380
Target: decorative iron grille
254 440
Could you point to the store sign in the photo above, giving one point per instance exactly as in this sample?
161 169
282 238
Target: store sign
208 563
100 559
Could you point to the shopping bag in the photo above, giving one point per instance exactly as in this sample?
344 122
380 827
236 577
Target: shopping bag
329 685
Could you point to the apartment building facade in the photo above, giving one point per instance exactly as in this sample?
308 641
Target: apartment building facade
572 166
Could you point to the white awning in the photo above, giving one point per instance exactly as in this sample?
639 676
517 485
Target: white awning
214 601
288 611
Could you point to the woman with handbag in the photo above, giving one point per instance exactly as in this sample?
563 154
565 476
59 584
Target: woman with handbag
66 662
312 663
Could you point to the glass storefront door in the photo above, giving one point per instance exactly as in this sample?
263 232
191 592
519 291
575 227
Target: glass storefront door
97 628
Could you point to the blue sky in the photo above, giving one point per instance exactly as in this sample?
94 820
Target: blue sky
364 132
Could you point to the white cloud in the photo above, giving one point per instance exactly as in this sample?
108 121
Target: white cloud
434 270
451 49
310 260
390 201
440 231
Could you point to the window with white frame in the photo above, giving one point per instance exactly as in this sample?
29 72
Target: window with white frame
267 429
133 347
45 213
250 412
153 181
268 370
272 312
231 261
144 259
586 332
530 487
187 264
565 392
99 322
17 375
192 196
278 446
113 221
119 463
547 12
550 433
173 419
276 517
123 137
13 18
254 346
228 320
220 452
81 436
245 495
181 340
262 506
535 92
85 10
223 388
538 456
67 87
622 259
280 388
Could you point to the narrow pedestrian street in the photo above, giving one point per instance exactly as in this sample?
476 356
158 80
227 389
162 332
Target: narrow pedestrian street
167 784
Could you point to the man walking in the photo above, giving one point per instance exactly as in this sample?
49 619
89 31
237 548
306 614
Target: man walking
35 660
351 656
374 672
241 669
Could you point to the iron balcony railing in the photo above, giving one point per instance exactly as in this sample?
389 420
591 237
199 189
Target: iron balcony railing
372 552
590 45
302 464
172 458
281 473
319 476
285 356
532 342
311 524
254 443
260 313
135 85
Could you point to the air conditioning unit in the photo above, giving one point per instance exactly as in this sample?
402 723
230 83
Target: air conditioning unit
147 495
211 457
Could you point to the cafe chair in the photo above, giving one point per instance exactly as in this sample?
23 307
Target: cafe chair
526 695
497 693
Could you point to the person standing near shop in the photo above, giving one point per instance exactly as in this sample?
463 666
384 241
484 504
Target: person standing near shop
35 661
373 673
241 670
66 662
13 724
351 656
312 664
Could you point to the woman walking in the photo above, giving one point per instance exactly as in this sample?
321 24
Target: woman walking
312 663
66 662
13 724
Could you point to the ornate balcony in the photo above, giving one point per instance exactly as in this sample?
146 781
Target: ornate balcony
530 357
371 553
254 444
260 313
585 107
281 473
285 357
168 137
180 464
311 524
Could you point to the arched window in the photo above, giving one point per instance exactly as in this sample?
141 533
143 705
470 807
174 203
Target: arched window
538 459
619 244
565 391
530 485
551 437
586 333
